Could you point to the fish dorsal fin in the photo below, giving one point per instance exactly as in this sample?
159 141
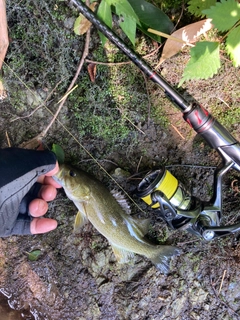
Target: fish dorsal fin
122 255
120 198
138 227
81 217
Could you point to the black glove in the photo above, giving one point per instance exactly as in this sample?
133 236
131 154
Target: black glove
19 170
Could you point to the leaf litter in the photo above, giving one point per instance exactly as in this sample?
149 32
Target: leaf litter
188 35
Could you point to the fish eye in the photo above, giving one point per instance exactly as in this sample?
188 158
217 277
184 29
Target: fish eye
72 173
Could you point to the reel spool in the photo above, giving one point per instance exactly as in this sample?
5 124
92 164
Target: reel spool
168 197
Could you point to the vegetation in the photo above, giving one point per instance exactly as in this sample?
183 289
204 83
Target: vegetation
205 55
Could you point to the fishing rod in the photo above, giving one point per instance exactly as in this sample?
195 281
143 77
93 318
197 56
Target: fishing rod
160 189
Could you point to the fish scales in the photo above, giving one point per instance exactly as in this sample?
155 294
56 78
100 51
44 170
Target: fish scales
96 204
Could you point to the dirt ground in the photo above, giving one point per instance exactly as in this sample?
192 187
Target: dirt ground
119 121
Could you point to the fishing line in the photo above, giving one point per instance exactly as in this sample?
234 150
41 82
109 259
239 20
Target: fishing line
78 142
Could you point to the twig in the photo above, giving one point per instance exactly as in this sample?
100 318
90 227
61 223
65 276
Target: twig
187 242
220 300
153 52
178 132
41 105
179 19
224 102
168 36
109 64
113 64
130 121
67 93
220 288
84 55
8 140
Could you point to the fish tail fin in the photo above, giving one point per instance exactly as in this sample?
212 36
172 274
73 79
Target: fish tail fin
162 257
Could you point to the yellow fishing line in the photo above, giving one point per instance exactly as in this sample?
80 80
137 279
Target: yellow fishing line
167 185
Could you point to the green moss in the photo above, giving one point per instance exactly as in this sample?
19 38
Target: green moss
227 117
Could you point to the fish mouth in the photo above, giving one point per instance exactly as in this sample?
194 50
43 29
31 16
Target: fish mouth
59 177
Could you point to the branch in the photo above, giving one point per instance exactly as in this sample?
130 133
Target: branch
84 55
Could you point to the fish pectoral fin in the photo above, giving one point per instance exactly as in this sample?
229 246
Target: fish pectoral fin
140 227
122 255
79 221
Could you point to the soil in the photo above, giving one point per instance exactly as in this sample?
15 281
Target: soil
118 122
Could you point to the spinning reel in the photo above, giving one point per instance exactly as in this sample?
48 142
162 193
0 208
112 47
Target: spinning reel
160 189
181 210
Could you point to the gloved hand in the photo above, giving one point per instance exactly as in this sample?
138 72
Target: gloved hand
25 187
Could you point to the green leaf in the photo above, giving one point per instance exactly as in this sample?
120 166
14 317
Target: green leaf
151 17
58 150
204 62
197 6
34 255
233 45
104 13
224 14
128 24
124 8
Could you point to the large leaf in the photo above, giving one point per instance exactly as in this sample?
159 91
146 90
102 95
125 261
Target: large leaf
151 17
124 7
187 34
224 14
105 14
197 6
233 45
128 24
204 62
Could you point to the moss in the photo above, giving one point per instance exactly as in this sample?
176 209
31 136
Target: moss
227 117
40 45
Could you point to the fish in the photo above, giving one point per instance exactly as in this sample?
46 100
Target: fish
126 235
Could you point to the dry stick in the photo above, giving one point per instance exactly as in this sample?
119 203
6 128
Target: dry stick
220 288
41 105
8 140
179 19
113 64
176 129
84 55
222 302
109 64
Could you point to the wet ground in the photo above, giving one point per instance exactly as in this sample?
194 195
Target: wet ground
120 121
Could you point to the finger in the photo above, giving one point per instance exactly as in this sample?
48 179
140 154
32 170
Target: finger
47 192
50 173
54 171
42 225
38 207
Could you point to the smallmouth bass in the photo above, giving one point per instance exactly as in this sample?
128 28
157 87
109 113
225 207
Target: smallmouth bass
125 233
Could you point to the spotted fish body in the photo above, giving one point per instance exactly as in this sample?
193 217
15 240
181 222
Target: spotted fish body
96 204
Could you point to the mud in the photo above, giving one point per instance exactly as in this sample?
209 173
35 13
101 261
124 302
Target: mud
76 276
